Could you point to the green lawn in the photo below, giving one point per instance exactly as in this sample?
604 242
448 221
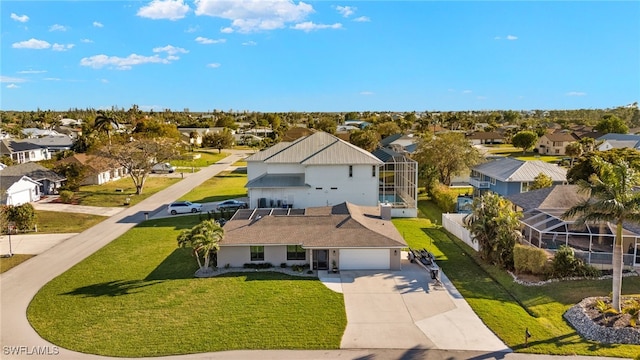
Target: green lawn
52 222
137 297
7 263
509 150
226 185
206 158
107 195
506 307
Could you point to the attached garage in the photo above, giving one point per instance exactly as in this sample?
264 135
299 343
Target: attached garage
369 259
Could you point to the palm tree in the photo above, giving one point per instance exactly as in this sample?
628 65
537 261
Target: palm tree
105 122
612 199
203 239
573 150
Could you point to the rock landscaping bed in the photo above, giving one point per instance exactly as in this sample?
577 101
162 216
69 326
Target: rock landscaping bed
593 324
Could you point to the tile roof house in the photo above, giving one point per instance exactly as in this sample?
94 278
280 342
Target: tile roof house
485 137
315 170
48 180
100 169
507 176
555 143
354 237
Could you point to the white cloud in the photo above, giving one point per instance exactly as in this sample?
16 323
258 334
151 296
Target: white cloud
362 19
512 37
226 30
86 41
204 40
170 49
32 71
346 11
31 44
214 65
97 24
12 86
52 79
366 93
19 18
120 63
104 81
250 15
467 91
250 43
310 26
57 27
576 93
164 9
5 79
62 47
192 29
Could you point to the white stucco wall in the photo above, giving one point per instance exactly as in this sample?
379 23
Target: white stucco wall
237 256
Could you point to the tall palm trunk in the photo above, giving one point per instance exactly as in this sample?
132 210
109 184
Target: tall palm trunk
617 268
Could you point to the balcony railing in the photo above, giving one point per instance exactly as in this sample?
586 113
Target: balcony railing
479 184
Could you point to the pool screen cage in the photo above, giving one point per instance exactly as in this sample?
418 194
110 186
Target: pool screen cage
399 182
592 242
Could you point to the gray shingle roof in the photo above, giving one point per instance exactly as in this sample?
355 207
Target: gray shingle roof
319 148
508 169
344 225
612 136
554 197
12 146
32 170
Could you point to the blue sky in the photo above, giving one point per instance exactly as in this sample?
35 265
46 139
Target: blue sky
319 55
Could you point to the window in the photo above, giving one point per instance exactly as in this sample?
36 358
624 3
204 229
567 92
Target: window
373 171
350 170
524 187
492 181
257 253
296 252
318 188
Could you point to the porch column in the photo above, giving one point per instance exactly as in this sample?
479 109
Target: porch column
310 259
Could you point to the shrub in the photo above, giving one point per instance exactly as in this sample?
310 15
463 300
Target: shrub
299 268
566 264
24 216
283 265
66 196
444 197
529 259
265 265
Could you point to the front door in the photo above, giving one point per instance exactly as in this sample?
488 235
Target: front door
320 259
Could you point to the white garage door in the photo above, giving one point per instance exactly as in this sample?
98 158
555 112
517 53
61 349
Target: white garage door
364 259
20 197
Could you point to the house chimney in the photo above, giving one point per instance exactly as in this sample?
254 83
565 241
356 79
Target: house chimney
385 211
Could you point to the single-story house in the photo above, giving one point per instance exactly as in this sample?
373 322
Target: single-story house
21 151
100 169
354 237
485 137
18 190
49 181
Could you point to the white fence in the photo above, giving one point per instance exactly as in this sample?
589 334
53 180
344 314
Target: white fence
453 223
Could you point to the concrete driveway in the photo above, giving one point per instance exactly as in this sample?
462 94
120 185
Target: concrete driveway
403 310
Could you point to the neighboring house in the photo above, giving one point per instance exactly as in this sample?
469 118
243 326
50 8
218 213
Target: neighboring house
507 176
485 137
316 170
22 151
618 141
544 226
200 133
52 144
49 181
555 143
296 132
18 190
100 169
354 237
406 144
36 133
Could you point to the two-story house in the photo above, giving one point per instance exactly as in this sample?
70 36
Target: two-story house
315 170
507 176
555 143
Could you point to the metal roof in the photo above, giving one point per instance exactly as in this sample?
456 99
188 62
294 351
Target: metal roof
508 169
319 148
